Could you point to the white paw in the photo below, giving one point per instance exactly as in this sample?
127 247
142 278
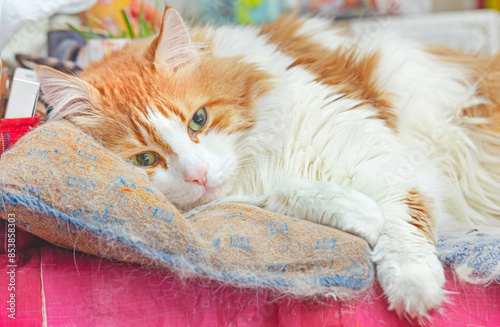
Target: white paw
412 281
331 205
362 210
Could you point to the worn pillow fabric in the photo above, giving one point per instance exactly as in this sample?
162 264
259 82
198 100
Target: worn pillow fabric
64 187
474 254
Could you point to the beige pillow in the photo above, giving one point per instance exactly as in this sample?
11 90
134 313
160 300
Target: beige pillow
64 187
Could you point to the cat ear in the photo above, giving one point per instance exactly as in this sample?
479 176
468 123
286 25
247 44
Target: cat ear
66 94
174 48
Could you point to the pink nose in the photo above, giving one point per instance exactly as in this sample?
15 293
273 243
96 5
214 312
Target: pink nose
199 176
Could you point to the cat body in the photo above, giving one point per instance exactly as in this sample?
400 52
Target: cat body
379 137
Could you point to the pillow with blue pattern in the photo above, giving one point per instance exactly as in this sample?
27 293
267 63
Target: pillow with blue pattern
64 187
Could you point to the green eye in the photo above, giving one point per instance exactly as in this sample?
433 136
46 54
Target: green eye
145 159
199 120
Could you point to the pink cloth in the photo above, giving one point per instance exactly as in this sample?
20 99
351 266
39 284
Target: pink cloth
81 290
28 289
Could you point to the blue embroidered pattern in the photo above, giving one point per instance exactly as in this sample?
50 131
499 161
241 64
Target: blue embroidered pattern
476 250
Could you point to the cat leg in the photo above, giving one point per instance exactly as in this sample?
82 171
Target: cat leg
329 204
408 268
400 233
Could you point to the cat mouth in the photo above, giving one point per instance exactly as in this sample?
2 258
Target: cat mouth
211 193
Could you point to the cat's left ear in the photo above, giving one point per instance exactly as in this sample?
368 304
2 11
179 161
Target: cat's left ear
174 48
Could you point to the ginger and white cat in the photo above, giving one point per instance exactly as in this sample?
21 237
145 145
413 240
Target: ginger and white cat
382 138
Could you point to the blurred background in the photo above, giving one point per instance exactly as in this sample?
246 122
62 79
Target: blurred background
70 34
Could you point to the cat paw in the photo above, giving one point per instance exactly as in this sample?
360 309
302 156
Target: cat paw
331 205
413 283
362 210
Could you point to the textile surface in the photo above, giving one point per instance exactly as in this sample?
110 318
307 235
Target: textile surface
474 255
13 129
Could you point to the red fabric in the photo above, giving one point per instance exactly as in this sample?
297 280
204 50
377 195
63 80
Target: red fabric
82 290
12 130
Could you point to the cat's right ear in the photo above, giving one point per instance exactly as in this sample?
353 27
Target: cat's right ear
66 94
173 47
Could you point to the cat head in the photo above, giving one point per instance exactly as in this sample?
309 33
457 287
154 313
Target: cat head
168 106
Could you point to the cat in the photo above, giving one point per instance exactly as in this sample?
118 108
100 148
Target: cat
381 137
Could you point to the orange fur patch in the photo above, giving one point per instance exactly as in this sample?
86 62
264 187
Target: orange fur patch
342 68
486 73
420 212
128 86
